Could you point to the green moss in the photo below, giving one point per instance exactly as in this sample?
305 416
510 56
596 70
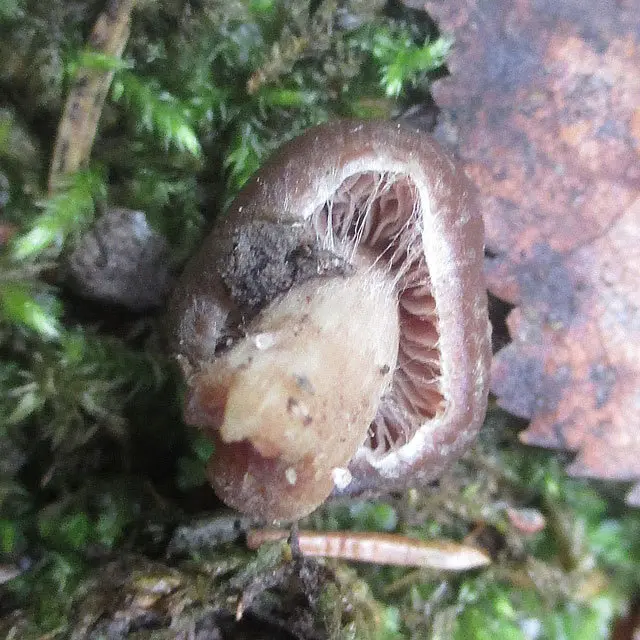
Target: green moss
95 461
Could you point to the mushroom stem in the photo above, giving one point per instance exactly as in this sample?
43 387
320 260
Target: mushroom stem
297 395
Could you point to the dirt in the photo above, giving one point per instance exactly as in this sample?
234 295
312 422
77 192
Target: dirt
267 259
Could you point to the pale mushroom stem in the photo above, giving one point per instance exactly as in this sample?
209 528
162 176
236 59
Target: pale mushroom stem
301 390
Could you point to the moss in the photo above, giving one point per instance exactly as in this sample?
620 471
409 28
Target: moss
96 466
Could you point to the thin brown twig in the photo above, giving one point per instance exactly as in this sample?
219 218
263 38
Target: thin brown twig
83 108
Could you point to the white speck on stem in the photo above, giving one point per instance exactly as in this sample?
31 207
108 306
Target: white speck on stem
341 477
291 475
264 341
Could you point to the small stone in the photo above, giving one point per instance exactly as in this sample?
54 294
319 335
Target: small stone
526 520
121 260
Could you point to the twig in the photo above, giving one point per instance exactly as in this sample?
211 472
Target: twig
82 110
379 548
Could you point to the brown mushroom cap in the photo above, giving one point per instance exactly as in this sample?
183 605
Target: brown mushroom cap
343 200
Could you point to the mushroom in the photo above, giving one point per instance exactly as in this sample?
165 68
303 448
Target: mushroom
333 328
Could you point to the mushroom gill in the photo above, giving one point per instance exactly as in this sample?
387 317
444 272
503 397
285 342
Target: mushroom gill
379 214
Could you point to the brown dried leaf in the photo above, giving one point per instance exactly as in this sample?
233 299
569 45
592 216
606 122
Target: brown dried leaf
543 107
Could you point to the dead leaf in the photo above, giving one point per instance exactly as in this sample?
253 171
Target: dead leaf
543 108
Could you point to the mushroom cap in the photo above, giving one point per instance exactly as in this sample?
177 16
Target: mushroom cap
297 200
